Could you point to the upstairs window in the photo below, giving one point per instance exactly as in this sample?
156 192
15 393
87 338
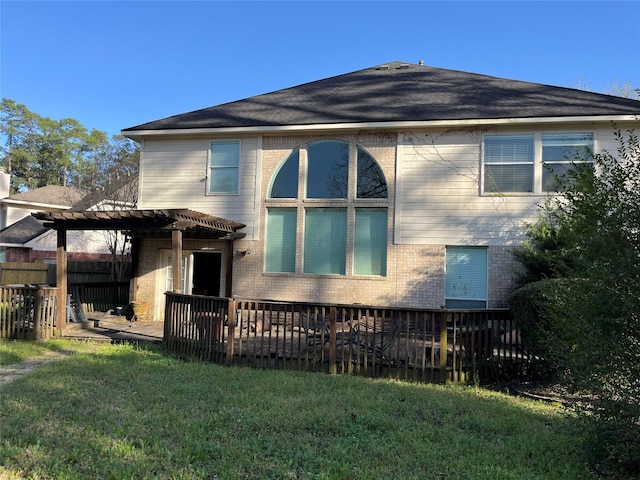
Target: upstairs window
224 165
560 152
508 163
532 163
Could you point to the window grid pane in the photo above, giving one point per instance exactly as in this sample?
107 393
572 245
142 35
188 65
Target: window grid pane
224 180
281 240
508 149
325 240
285 185
371 181
370 245
508 178
327 169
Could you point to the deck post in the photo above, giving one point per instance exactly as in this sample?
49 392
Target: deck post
444 318
231 334
332 340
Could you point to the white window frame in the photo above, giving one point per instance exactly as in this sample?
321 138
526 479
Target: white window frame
212 168
538 164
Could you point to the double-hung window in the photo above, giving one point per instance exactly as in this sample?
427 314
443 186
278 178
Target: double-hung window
224 165
327 212
560 152
508 163
531 163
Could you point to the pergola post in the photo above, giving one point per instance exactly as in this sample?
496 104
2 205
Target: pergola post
228 289
61 281
176 247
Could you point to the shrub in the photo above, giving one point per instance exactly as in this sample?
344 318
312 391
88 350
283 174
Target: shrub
581 315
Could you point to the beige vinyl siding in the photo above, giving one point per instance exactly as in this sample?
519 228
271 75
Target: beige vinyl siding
438 198
438 188
174 175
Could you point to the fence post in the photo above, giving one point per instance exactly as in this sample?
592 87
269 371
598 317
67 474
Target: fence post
233 309
332 340
444 317
37 314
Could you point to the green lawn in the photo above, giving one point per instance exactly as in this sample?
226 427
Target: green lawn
121 412
18 351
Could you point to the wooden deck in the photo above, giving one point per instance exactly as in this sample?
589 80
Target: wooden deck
113 328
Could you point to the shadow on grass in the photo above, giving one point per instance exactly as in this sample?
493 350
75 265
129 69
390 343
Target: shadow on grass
131 412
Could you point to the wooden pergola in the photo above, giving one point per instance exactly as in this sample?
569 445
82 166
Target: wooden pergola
139 223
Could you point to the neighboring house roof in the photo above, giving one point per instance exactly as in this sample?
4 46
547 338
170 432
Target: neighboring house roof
50 196
22 231
398 92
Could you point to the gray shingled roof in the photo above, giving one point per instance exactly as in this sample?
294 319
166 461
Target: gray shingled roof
50 195
399 92
22 231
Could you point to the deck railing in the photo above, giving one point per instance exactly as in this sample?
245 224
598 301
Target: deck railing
27 313
452 346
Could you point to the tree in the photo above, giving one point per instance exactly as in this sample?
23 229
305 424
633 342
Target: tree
39 151
583 313
625 89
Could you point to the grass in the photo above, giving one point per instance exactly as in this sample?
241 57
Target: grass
123 412
15 351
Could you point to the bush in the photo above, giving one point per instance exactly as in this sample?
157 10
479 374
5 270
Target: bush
581 314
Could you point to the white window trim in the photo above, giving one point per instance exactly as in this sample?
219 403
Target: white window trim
208 168
537 161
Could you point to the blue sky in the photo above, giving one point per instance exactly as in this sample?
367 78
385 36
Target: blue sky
113 65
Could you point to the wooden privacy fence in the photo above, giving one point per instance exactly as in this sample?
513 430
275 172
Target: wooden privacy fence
409 344
100 296
27 313
23 273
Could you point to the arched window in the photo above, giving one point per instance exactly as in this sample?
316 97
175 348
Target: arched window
371 181
285 183
344 210
327 169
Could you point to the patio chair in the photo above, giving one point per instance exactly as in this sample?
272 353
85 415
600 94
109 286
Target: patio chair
371 337
318 330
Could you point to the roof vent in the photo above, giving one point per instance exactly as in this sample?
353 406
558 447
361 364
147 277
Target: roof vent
383 67
403 65
420 62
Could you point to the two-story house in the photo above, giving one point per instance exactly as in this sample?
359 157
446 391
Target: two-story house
400 185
